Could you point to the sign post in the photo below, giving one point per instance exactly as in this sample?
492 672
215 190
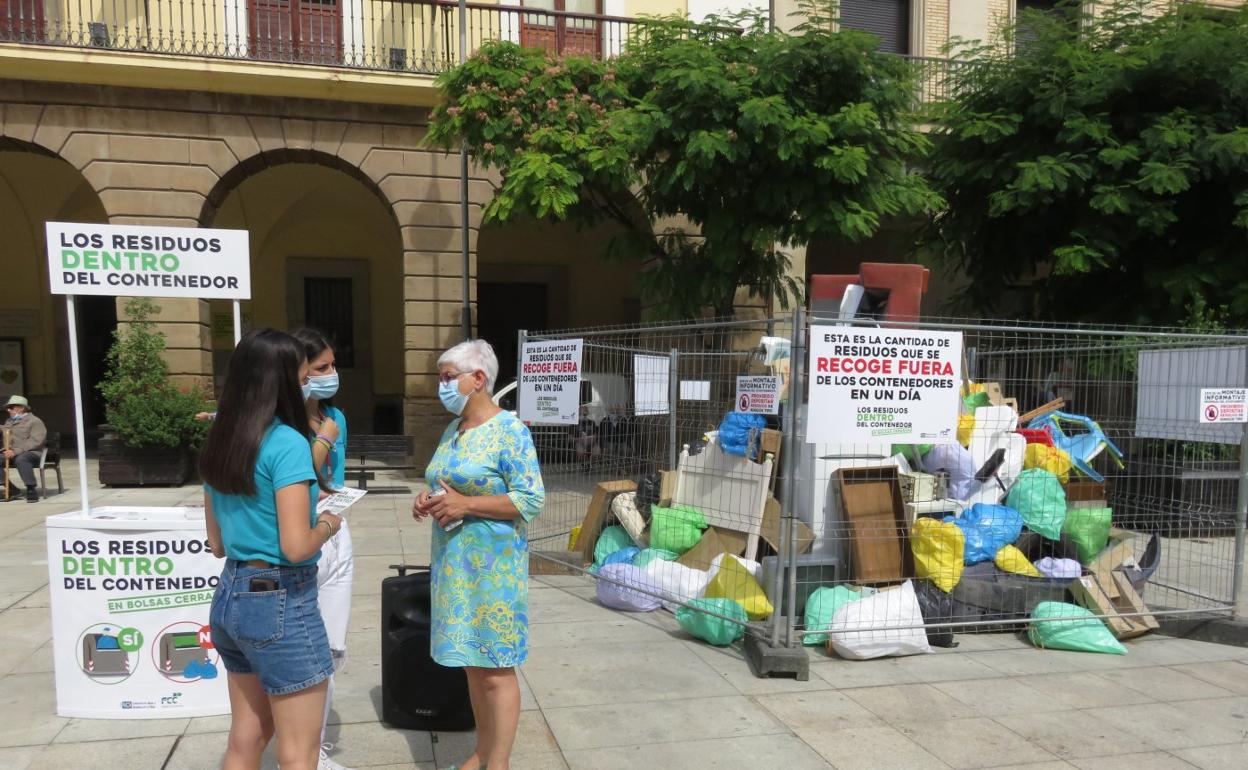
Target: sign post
131 586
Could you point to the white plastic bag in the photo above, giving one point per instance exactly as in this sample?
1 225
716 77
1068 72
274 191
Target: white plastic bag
624 508
858 629
675 582
622 597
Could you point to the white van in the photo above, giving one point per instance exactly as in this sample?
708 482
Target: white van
603 396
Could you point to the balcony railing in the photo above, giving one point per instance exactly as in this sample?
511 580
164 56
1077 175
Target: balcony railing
414 36
391 35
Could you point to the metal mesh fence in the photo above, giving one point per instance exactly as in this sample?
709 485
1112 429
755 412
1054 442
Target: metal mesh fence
1081 473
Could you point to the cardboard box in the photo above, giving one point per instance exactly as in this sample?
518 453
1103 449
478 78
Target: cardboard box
1086 491
667 488
769 441
554 562
876 518
714 542
1118 552
771 528
919 487
1112 595
598 513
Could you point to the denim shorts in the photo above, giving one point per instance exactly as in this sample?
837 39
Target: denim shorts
277 635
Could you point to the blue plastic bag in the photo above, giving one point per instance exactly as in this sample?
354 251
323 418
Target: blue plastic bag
735 430
987 529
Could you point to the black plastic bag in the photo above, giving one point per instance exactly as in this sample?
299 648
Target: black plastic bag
936 607
648 491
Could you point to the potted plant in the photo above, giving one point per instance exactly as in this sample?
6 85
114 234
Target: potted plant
151 431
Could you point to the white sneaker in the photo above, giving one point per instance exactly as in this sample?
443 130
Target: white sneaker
325 763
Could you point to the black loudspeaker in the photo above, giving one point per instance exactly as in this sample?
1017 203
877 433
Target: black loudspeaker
416 692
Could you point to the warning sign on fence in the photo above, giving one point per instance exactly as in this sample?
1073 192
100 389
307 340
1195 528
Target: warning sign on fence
896 386
758 394
550 382
1223 405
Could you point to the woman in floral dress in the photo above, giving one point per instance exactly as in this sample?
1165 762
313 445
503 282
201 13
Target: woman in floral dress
486 486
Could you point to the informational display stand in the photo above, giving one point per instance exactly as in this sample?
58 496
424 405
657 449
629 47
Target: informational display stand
130 590
131 587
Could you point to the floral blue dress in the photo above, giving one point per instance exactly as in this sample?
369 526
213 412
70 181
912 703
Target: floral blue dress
480 580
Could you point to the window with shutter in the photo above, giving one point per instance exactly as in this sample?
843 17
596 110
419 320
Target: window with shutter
889 20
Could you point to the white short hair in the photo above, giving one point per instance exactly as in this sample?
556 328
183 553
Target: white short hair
472 356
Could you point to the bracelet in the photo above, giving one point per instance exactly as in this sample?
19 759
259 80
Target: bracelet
323 442
324 438
319 522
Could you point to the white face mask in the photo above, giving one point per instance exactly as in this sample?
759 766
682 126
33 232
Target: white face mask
307 390
324 386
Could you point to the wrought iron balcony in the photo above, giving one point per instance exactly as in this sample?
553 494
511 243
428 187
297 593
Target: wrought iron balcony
414 36
419 36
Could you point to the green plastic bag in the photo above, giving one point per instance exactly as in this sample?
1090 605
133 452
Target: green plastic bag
711 628
648 555
612 539
1087 633
1089 528
1039 497
821 606
675 529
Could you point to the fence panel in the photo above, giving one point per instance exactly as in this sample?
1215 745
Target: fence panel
1119 498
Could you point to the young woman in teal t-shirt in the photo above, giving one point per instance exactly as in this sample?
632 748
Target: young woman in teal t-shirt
336 569
260 500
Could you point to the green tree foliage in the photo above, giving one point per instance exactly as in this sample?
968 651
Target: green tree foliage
141 404
1107 161
753 138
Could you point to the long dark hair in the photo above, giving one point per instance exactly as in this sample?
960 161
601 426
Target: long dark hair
314 343
262 383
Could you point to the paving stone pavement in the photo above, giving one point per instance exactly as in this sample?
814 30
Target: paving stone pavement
605 690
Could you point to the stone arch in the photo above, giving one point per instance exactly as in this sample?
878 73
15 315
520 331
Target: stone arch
263 160
326 251
38 185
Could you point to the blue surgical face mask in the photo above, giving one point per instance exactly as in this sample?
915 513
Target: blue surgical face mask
452 399
324 386
307 390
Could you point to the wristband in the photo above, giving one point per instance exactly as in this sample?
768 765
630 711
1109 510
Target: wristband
323 442
324 438
319 522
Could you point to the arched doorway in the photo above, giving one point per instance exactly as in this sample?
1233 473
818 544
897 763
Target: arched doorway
36 186
326 252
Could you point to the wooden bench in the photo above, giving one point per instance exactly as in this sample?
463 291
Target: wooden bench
362 447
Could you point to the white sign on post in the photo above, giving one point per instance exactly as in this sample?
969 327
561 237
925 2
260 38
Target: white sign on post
550 382
136 261
894 385
758 394
1223 405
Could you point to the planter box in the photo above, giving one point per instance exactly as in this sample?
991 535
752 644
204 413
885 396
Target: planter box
124 466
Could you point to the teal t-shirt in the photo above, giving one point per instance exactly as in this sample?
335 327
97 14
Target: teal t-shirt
336 462
249 524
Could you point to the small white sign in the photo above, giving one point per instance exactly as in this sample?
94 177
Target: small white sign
651 382
892 385
550 382
340 501
758 394
137 261
1223 405
695 390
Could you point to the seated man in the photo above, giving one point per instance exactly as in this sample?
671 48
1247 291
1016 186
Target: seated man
27 436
